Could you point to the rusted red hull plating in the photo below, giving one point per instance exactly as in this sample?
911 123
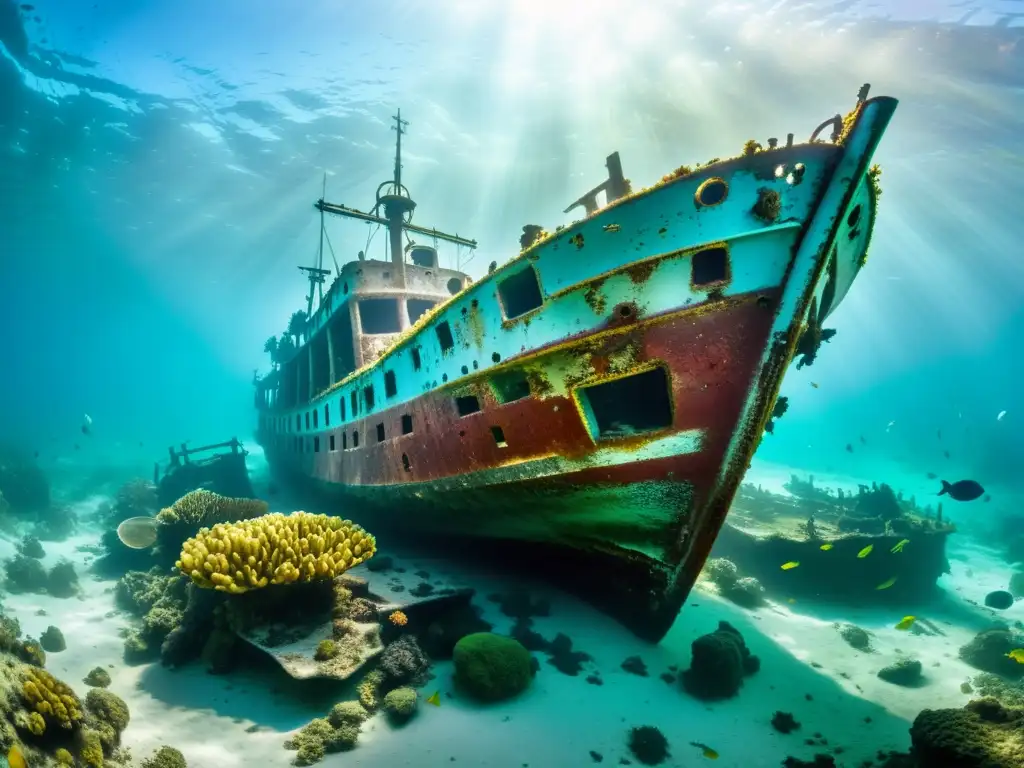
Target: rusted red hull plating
456 479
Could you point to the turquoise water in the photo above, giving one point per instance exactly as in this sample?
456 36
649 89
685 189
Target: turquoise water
158 162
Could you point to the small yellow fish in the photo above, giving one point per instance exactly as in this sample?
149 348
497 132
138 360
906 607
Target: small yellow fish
866 551
906 623
15 758
435 699
705 750
887 584
1017 654
791 564
612 227
825 547
900 545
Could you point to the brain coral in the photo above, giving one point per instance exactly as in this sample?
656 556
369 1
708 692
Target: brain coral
274 549
204 507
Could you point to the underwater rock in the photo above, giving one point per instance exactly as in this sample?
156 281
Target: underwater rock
30 546
441 622
564 658
983 734
404 662
492 667
188 639
784 722
905 672
380 563
52 640
521 605
635 665
746 592
988 652
318 738
720 662
648 745
855 637
532 640
820 760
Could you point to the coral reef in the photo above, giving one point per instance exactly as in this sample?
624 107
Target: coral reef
22 483
53 700
319 737
369 689
988 652
855 637
784 722
165 757
274 549
25 574
347 712
492 667
52 640
205 508
325 650
98 677
746 592
30 546
984 734
720 662
160 601
404 662
400 705
62 580
648 745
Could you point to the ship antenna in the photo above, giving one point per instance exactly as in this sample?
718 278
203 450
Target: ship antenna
316 274
398 127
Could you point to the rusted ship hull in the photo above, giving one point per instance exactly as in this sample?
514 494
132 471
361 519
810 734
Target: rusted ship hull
608 426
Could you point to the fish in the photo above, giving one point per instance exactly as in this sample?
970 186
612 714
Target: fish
946 454
435 699
905 623
815 384
987 498
863 441
849 448
962 490
612 227
1017 654
705 750
138 532
932 476
15 757
1000 416
1000 599
790 565
825 547
866 551
900 545
27 7
887 583
890 425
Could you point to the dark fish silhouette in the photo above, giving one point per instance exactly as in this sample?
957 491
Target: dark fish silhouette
77 447
849 448
35 455
962 490
932 476
938 434
1000 599
27 7
863 441
988 498
946 454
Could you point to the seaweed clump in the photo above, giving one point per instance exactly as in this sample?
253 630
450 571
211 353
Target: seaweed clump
648 745
165 757
160 601
746 591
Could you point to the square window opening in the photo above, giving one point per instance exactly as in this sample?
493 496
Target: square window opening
379 315
355 439
467 404
417 363
406 424
316 444
444 337
499 437
390 384
710 266
418 308
520 293
628 406
333 447
368 397
380 433
510 386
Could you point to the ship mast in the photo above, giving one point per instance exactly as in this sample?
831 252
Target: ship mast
318 273
396 202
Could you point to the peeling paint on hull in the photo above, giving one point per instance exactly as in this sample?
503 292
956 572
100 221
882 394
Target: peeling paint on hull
629 514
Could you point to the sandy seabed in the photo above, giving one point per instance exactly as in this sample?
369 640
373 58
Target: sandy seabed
242 719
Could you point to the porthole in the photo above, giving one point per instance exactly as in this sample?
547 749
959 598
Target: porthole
711 192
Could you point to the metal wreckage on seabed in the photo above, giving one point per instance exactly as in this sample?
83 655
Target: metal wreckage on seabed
593 403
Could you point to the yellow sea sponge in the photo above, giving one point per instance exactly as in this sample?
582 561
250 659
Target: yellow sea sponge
274 549
63 757
36 724
92 750
52 699
204 507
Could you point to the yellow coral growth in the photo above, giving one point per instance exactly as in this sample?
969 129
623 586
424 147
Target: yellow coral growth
63 757
204 507
36 724
398 618
274 549
52 699
92 750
